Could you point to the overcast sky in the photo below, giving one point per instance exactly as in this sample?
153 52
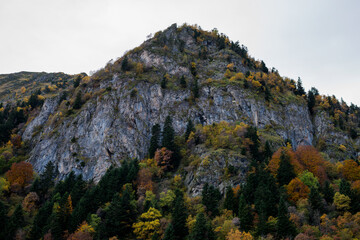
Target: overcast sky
317 40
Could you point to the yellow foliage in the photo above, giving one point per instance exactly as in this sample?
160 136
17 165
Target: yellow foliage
237 235
148 225
256 84
23 89
342 202
85 227
40 97
4 185
85 79
139 68
342 148
230 66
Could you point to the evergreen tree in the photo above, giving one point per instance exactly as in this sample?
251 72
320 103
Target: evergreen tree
78 101
179 216
155 139
169 233
16 222
3 220
245 216
183 82
77 81
262 228
42 184
328 193
311 102
285 172
315 199
202 230
210 198
168 141
120 215
189 128
78 190
125 66
345 188
284 227
299 88
163 82
56 226
195 88
229 202
251 133
267 152
41 220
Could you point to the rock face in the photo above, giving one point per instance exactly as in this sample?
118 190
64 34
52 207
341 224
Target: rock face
119 126
116 124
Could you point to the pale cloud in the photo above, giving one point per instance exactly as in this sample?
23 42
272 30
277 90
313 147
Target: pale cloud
316 40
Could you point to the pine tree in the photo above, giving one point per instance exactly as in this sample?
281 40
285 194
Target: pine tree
183 82
200 231
155 139
3 220
78 101
328 193
169 233
210 198
41 220
267 152
125 66
120 215
315 199
345 188
78 190
77 81
168 141
311 102
229 202
16 221
189 128
251 133
285 172
299 88
284 227
179 216
195 89
245 216
163 82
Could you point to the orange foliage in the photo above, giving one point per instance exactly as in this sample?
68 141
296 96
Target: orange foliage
351 170
237 235
275 160
30 201
15 140
296 190
163 158
356 186
144 181
20 173
312 161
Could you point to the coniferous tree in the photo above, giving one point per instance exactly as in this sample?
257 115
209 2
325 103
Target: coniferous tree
168 141
345 188
125 66
77 81
210 198
229 202
261 228
251 133
284 227
78 101
41 220
120 215
328 193
315 199
163 82
202 230
155 139
189 128
267 151
285 172
78 190
299 88
179 216
183 82
245 216
169 233
311 102
3 220
16 222
195 88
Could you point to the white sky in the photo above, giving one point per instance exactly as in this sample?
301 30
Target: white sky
318 40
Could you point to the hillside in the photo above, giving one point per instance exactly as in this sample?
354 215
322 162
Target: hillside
188 111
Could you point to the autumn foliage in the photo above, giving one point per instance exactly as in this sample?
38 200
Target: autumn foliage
351 170
163 158
20 173
311 159
296 190
275 160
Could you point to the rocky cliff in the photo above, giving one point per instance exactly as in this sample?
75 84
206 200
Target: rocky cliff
122 105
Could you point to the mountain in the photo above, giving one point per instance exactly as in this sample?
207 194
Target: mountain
188 74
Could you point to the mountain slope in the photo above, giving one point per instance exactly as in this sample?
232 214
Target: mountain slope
186 73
